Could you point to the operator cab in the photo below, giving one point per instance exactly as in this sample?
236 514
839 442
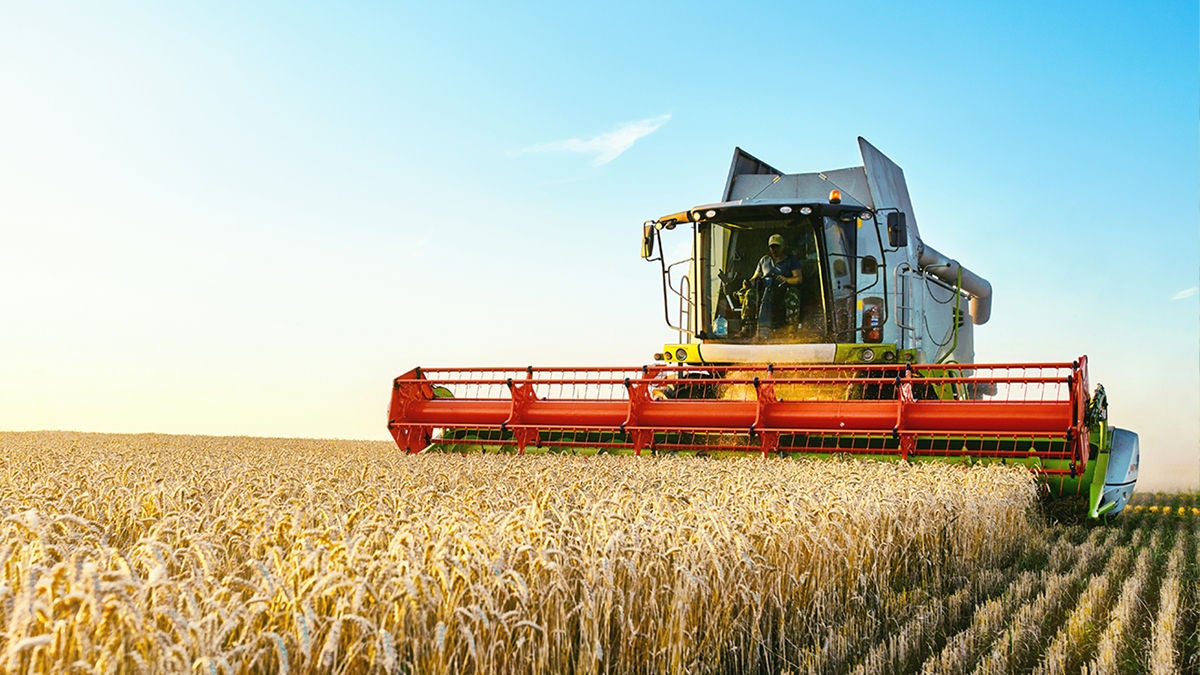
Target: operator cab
728 303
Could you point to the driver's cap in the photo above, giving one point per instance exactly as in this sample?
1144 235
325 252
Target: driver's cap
776 239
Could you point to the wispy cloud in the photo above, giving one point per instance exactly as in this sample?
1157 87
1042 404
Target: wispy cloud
1186 293
608 146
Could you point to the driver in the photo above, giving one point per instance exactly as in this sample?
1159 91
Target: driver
778 269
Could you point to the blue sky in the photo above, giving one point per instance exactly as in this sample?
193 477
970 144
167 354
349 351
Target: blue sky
232 219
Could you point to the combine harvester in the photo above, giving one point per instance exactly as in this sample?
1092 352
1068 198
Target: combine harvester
812 319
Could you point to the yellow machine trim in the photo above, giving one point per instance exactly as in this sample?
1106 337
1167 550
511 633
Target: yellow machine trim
842 353
674 218
690 353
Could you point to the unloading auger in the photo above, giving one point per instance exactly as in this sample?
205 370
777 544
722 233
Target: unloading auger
812 319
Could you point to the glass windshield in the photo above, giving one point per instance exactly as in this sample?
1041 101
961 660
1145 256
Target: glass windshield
779 280
763 281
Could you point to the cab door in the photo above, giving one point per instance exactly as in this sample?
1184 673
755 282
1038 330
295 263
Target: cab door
839 260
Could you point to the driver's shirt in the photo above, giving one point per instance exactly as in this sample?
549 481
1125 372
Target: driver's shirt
784 267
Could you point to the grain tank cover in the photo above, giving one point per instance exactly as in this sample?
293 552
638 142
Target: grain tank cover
745 164
886 181
766 184
877 184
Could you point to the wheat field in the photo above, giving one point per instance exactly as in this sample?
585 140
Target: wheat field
151 553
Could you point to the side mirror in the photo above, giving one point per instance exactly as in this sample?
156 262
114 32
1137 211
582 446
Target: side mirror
647 240
870 266
897 226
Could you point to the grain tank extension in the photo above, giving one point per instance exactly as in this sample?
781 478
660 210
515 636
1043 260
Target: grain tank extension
811 318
